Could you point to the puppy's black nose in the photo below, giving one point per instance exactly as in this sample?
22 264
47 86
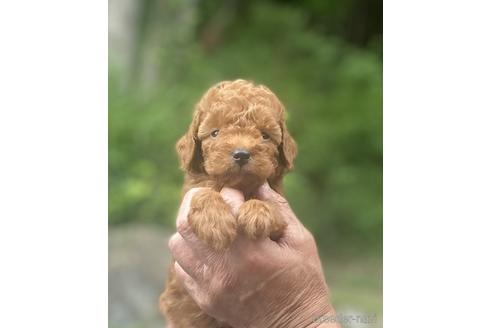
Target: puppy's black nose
241 156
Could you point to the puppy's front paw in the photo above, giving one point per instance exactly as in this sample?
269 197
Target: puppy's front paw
212 220
259 219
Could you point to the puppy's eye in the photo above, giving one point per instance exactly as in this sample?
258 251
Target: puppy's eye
265 136
215 133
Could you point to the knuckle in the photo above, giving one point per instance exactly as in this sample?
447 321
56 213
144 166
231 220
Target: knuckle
181 225
232 196
280 199
196 269
205 303
308 238
192 192
276 197
214 296
308 241
228 283
173 242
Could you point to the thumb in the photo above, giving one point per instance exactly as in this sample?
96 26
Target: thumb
266 193
233 197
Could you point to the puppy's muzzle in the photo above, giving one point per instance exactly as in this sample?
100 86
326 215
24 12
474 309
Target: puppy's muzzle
241 156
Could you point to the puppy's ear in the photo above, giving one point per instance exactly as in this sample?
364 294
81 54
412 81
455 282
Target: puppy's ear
288 148
189 147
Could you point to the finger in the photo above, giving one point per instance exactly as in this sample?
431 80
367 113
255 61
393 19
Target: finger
233 197
266 193
182 225
186 257
186 280
294 230
184 208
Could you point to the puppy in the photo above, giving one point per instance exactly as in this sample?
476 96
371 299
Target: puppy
238 139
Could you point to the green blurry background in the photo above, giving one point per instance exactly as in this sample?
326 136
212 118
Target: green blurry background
324 61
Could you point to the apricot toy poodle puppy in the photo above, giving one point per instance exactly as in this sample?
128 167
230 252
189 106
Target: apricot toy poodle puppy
238 139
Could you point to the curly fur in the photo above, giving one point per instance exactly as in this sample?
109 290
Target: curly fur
250 117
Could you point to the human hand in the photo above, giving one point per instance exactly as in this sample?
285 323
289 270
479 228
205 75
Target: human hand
254 283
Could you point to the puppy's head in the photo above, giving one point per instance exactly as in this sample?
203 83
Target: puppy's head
238 136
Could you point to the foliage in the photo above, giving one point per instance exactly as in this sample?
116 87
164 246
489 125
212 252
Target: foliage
331 89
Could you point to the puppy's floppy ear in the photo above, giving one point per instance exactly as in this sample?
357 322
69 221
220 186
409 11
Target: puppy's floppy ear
288 148
189 147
